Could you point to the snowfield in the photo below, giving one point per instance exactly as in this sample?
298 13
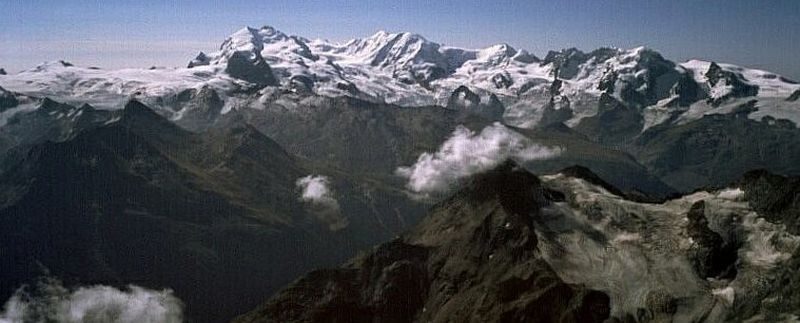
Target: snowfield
408 70
635 250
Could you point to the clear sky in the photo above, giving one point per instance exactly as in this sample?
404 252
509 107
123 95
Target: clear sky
112 34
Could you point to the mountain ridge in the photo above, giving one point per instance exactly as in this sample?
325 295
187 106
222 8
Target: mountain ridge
137 199
408 70
486 254
426 275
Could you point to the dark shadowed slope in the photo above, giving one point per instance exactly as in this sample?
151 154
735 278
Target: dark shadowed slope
513 247
473 259
215 216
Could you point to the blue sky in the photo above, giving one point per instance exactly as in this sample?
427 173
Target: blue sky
113 34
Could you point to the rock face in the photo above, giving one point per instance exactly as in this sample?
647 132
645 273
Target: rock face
710 256
201 60
557 109
717 149
251 67
7 100
794 96
473 259
726 84
463 99
687 91
777 198
566 61
615 122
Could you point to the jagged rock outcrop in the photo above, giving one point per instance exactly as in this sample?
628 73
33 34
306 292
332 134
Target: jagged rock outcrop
7 100
776 197
502 80
794 96
200 60
726 84
301 84
566 62
710 256
463 99
557 110
251 67
687 91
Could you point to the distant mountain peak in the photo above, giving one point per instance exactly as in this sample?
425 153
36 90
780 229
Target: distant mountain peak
136 109
407 69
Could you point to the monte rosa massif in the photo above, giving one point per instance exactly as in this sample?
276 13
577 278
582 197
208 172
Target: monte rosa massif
406 69
612 184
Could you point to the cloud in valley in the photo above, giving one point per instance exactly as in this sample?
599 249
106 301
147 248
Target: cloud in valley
316 192
50 301
466 153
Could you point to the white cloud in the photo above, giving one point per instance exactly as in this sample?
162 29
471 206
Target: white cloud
316 192
315 189
466 153
52 302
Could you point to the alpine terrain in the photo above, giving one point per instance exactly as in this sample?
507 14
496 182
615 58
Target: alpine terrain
218 191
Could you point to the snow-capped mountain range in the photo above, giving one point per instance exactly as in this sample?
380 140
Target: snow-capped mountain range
170 175
406 69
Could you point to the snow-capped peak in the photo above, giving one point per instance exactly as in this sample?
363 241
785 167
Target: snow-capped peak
769 84
407 69
255 36
384 49
269 32
496 54
245 39
266 41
